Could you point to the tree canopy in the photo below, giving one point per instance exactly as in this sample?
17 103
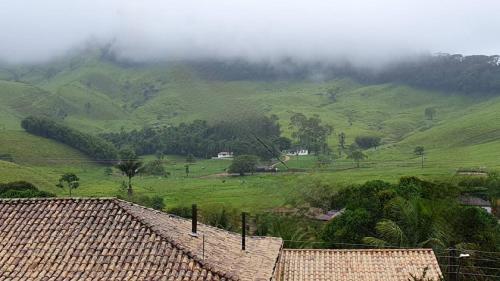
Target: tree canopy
244 164
309 132
70 180
95 147
411 213
258 135
366 142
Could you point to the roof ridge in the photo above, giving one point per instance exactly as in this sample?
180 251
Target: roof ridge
171 240
56 198
130 203
362 250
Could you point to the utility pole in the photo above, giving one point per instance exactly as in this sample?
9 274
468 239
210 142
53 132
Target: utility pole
453 267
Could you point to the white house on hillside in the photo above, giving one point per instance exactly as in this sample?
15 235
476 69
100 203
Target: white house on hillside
224 155
299 152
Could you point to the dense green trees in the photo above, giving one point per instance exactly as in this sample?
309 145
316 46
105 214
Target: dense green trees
244 164
258 135
95 147
366 142
475 74
310 133
412 213
454 73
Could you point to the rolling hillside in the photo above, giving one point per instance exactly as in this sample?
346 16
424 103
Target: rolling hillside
97 95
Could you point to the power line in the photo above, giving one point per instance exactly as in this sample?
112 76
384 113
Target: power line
471 258
477 274
479 251
481 267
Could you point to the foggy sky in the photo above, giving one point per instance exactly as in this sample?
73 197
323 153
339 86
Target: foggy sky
363 31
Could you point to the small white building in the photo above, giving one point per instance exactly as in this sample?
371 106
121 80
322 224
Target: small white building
224 155
298 152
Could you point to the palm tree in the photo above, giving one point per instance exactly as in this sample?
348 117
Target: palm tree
414 225
357 156
129 167
420 151
293 236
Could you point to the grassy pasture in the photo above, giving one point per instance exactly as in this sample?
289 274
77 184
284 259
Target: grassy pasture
465 132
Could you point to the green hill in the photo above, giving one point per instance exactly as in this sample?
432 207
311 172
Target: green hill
96 95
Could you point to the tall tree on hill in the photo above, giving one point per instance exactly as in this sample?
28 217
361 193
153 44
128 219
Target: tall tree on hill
88 107
342 140
357 156
341 143
430 113
129 165
71 180
420 151
309 132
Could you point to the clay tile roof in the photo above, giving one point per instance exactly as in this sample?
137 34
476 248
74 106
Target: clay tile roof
366 265
109 239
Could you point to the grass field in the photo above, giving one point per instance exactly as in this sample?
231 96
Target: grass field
99 96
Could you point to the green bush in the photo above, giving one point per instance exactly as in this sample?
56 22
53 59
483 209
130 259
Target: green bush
182 211
156 202
221 216
154 168
366 142
244 164
22 189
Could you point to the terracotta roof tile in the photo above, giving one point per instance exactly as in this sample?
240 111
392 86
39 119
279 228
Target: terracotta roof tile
108 239
366 265
222 249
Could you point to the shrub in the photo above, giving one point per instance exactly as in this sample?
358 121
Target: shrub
22 189
182 211
154 168
244 164
221 216
366 142
156 202
6 157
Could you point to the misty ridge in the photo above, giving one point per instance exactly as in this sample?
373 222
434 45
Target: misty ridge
445 46
472 74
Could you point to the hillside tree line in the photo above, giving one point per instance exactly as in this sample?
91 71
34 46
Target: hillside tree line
94 147
255 135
